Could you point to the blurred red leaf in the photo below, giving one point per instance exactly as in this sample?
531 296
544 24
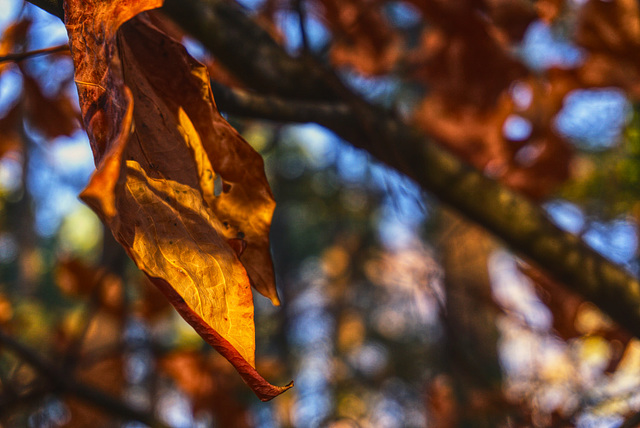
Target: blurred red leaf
610 32
362 37
52 116
11 131
210 385
12 38
461 59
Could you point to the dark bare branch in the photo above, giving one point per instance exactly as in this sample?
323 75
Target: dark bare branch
65 384
21 56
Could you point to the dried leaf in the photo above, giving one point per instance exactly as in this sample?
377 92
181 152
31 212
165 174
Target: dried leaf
363 38
208 381
174 180
152 304
10 131
52 116
549 10
570 313
610 32
512 16
75 278
12 37
462 60
534 165
106 373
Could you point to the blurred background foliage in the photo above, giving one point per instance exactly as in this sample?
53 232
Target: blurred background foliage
396 313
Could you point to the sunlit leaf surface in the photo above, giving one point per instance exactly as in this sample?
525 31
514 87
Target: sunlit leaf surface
180 189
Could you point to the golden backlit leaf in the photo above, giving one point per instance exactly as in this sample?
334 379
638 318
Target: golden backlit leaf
175 182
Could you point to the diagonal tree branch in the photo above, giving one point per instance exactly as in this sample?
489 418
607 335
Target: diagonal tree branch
251 105
252 56
520 223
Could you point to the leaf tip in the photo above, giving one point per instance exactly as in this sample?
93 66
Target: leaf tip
273 392
276 302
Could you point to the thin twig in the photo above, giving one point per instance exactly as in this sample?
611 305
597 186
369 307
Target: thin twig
66 384
21 56
302 18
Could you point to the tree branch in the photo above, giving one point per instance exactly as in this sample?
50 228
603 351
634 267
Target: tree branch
632 421
66 384
17 57
252 56
520 223
251 105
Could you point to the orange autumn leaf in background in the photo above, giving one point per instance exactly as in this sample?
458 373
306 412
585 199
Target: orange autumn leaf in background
183 193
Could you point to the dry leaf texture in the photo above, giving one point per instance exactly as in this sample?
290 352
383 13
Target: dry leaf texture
181 190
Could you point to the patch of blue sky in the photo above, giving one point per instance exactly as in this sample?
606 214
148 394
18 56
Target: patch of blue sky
596 420
47 30
312 328
389 413
319 145
251 4
543 48
312 407
9 10
516 128
616 240
403 15
265 416
10 90
56 175
380 90
10 174
289 23
395 234
194 47
515 292
594 118
566 215
352 164
175 409
50 212
72 159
